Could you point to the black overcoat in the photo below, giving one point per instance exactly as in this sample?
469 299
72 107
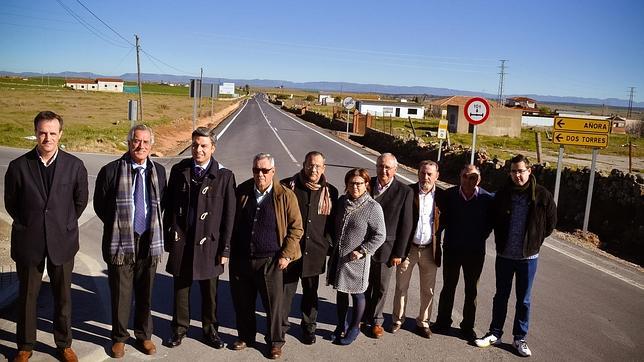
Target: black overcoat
213 225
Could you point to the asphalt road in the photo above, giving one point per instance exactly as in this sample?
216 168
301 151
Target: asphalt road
585 306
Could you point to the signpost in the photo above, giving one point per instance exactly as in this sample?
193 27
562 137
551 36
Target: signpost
580 132
477 111
348 103
442 134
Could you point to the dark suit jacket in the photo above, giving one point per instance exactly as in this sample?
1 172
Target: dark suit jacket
105 198
436 239
213 224
45 224
396 204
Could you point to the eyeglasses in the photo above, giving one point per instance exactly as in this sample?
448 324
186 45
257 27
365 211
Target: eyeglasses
265 171
313 167
519 172
355 184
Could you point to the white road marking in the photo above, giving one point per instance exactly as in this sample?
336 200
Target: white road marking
595 266
338 143
231 122
276 135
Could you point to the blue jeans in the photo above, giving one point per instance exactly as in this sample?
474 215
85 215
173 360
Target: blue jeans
506 269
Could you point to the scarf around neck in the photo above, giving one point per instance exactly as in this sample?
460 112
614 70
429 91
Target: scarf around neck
122 248
324 206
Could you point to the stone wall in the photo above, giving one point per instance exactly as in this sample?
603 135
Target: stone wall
617 211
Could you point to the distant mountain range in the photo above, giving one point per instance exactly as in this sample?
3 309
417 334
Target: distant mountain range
336 87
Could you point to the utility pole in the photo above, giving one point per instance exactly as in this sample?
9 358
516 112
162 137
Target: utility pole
200 85
501 79
138 77
630 103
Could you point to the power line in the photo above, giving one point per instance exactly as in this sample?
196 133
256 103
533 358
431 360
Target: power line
166 64
87 25
104 23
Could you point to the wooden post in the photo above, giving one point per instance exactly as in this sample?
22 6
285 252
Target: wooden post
538 139
412 126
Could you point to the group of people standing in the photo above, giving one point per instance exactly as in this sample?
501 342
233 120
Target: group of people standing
273 234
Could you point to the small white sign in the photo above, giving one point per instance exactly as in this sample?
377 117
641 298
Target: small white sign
348 103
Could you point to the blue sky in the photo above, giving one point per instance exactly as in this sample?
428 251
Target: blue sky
586 48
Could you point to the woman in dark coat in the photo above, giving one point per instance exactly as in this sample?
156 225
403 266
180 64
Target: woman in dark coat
359 232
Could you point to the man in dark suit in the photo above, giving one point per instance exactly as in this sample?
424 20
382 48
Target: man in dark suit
45 194
127 198
316 198
466 217
424 249
198 220
268 228
396 200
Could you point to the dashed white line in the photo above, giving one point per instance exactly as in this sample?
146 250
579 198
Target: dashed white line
276 135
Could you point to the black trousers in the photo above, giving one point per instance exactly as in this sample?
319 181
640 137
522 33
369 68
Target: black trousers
309 305
123 279
376 294
30 280
472 265
181 310
250 276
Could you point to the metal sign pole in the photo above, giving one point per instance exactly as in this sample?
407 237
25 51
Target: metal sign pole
440 147
473 145
589 197
347 123
558 179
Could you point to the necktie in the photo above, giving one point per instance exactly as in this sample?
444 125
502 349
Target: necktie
139 202
198 172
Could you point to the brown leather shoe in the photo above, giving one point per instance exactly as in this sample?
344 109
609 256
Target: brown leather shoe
377 331
118 350
22 356
147 346
423 332
68 355
276 352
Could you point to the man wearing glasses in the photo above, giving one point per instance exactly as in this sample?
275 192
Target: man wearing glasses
524 215
316 198
268 228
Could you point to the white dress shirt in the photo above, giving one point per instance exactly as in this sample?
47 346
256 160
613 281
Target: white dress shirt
425 227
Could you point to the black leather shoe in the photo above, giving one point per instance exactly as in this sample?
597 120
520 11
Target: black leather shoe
238 345
423 332
212 338
175 340
308 337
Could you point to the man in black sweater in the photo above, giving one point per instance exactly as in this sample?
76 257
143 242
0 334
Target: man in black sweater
466 219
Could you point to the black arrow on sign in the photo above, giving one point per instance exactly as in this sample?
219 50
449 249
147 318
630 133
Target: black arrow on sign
558 137
561 123
476 114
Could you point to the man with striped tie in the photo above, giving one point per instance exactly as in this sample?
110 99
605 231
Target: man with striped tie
127 198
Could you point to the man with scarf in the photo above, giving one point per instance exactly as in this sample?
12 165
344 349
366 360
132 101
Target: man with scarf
127 198
524 214
315 197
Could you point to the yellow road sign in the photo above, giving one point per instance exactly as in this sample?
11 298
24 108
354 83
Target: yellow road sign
580 139
600 126
442 129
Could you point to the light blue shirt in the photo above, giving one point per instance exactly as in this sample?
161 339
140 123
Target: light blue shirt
260 196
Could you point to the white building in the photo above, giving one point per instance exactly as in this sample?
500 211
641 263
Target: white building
325 99
227 88
101 85
391 109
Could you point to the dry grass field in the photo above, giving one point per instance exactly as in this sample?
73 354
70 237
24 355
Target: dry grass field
94 121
